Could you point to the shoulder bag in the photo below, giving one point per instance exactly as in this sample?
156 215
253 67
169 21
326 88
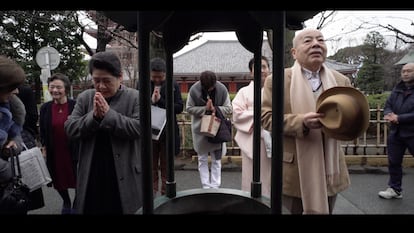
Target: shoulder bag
14 195
224 130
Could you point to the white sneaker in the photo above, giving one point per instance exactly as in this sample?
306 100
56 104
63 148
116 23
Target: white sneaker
390 193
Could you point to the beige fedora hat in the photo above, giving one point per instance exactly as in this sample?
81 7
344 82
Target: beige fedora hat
346 112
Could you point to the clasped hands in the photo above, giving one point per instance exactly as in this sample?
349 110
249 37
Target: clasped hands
100 106
210 106
391 117
156 96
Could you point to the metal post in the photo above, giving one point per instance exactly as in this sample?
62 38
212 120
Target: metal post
278 78
170 153
256 186
46 73
145 116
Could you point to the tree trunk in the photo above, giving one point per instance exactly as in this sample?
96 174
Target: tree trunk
289 34
102 37
156 47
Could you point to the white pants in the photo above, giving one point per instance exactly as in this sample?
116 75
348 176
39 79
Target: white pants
206 181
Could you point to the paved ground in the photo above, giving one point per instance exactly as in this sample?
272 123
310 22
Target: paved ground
360 198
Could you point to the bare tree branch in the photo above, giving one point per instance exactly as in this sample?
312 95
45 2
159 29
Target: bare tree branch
323 18
83 42
128 41
400 35
409 38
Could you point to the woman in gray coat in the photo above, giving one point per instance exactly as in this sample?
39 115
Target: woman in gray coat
106 120
203 97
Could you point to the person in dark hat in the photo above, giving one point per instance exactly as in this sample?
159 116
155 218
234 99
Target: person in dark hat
106 122
12 112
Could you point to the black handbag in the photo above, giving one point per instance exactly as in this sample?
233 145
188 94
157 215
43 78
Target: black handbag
224 131
14 195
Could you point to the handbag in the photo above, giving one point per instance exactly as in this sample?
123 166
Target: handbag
224 131
209 125
14 195
33 169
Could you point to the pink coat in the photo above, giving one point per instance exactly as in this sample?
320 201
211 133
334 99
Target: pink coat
243 122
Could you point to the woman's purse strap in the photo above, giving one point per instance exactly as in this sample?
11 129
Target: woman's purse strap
14 162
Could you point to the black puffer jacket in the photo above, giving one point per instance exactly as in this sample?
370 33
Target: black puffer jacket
401 102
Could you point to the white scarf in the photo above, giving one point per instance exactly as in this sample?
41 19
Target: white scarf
318 156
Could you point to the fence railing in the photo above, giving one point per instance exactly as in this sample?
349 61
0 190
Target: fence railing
372 142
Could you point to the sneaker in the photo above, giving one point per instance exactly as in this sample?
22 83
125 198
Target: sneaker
390 193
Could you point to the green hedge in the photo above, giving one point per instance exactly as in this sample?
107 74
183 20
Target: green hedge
377 99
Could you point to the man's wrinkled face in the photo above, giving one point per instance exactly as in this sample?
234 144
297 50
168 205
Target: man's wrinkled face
309 49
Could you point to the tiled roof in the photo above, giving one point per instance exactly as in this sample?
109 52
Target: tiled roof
408 58
341 67
218 56
229 56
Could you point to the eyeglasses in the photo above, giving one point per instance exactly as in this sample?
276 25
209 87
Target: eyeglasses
57 87
105 81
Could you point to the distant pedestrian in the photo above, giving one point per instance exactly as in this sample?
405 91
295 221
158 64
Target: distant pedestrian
61 152
399 112
203 97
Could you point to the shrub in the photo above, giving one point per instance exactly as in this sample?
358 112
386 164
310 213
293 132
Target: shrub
374 101
377 99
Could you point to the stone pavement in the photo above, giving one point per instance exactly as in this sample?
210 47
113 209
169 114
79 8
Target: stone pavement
361 198
362 195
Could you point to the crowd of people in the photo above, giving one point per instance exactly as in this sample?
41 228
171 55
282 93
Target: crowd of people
92 144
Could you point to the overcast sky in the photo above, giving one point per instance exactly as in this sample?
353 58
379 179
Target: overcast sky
340 32
344 24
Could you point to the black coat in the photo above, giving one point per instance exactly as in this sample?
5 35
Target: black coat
28 98
402 105
29 134
46 137
178 108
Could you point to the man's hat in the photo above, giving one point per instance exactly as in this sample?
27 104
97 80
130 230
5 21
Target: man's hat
346 112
